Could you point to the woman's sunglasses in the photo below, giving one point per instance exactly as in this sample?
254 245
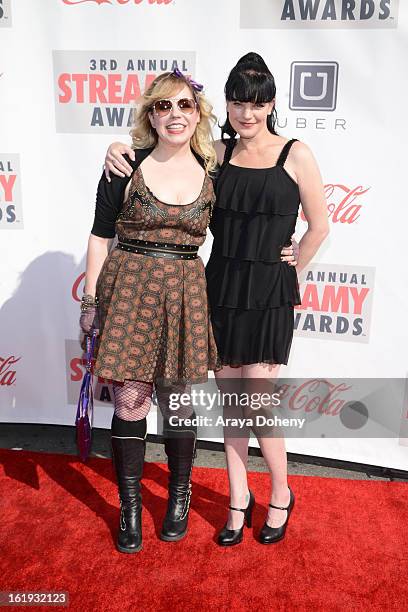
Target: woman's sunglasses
163 107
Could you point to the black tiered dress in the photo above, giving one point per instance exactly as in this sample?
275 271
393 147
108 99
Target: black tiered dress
252 293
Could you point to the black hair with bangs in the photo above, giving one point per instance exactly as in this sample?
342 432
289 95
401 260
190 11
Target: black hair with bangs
250 81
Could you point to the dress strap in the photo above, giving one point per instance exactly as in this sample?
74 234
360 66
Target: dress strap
198 157
285 152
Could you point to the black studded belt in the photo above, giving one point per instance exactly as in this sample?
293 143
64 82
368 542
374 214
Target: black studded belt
158 249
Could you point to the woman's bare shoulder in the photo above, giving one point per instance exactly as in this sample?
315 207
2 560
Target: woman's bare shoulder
300 149
219 147
300 153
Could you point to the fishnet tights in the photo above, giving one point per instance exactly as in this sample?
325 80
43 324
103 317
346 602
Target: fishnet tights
132 399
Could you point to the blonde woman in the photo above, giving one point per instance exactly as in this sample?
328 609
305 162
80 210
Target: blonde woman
147 297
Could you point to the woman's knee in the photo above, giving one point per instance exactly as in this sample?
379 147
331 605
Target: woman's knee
132 399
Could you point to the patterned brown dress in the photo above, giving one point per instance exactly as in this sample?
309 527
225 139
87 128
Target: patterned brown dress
154 314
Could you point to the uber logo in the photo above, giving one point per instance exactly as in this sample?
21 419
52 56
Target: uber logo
313 86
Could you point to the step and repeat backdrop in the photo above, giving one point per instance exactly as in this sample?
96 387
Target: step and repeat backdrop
70 71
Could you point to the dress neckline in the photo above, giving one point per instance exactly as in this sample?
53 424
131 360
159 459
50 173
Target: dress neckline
166 203
264 169
280 161
249 168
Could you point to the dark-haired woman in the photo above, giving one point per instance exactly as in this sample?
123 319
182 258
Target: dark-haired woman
262 180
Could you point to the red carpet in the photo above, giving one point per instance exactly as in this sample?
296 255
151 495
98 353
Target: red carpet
346 546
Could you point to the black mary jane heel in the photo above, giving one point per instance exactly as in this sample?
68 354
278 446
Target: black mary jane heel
230 537
269 535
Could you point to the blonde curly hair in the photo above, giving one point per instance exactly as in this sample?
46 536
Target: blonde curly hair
164 86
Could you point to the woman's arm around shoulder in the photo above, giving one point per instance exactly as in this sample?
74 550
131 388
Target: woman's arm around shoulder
115 161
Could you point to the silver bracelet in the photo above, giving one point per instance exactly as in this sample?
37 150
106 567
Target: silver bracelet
88 302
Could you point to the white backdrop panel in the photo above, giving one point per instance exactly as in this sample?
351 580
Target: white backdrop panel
51 159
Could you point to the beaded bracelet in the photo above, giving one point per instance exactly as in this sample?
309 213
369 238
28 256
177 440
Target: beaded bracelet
88 302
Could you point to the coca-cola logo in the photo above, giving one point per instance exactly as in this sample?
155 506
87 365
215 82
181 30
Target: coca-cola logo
76 292
342 206
355 404
7 371
315 395
118 2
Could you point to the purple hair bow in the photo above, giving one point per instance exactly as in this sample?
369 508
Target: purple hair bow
196 86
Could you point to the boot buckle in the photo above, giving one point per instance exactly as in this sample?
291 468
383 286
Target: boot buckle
187 503
122 518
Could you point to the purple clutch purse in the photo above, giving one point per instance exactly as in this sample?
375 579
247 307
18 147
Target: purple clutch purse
84 415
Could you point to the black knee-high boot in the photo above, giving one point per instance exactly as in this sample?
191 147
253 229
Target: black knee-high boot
180 447
128 451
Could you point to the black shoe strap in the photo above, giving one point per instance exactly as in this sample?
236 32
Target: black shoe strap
279 507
